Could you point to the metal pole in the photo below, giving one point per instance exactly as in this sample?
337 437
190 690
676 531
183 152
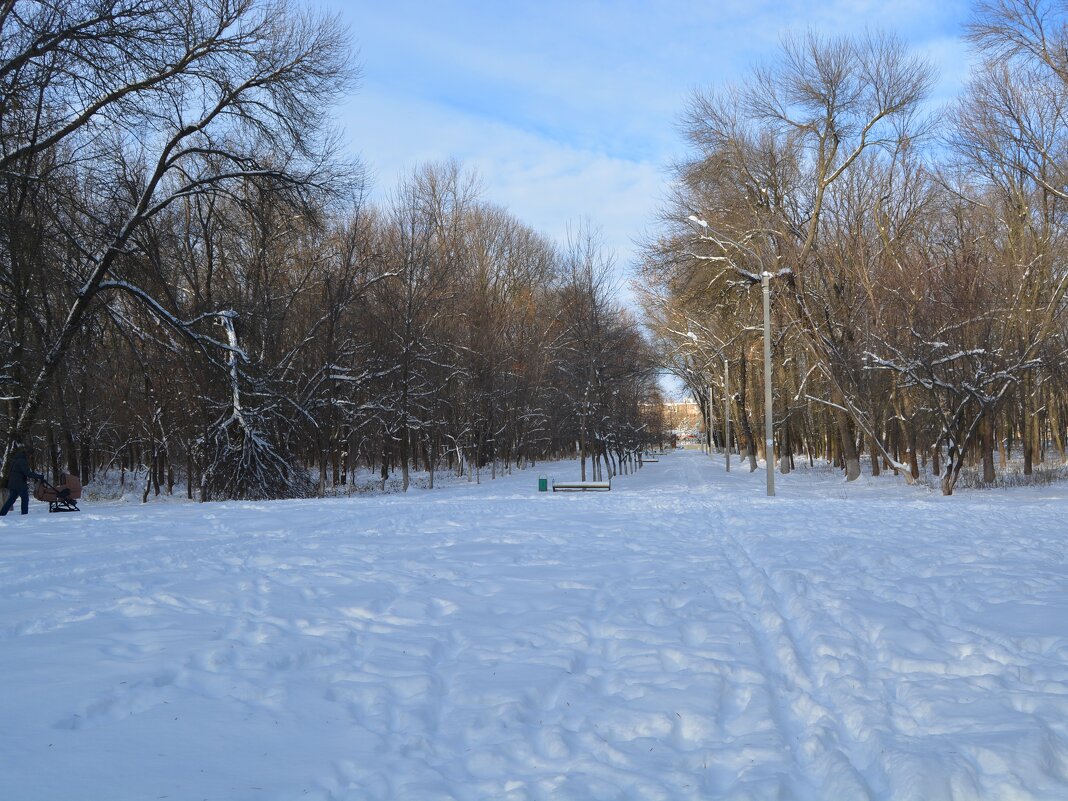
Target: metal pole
727 413
708 427
769 448
707 421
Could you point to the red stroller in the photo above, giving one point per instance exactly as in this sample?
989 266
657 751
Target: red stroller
62 498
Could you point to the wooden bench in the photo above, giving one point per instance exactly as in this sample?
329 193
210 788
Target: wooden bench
582 486
647 459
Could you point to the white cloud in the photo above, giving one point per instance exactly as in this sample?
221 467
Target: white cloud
568 110
545 183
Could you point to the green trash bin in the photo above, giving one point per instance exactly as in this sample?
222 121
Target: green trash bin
543 483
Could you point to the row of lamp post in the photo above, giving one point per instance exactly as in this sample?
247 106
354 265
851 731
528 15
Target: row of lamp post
769 439
726 410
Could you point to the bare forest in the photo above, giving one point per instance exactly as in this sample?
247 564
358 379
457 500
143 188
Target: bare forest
195 291
916 252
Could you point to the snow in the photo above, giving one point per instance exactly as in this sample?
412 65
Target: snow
682 637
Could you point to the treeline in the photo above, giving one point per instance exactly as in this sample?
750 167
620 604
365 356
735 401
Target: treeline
917 257
193 286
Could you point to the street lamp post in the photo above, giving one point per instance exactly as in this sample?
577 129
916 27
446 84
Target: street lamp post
765 282
726 409
769 448
708 424
726 413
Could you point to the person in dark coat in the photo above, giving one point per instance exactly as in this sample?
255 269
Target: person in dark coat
16 482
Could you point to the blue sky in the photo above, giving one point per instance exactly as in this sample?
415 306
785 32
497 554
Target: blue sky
568 110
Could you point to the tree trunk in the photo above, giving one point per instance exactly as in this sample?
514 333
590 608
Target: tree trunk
743 417
1039 447
1028 442
949 480
85 460
53 455
786 450
986 432
1057 427
148 483
72 452
907 433
848 444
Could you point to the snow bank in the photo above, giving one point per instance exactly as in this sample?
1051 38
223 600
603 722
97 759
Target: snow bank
680 637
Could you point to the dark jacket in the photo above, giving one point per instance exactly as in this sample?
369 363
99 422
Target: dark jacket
20 472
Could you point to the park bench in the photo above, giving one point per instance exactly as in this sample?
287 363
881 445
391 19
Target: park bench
582 486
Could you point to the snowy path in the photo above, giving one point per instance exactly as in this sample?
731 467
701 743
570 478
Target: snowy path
681 637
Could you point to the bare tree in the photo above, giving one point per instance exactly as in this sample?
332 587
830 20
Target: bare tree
184 99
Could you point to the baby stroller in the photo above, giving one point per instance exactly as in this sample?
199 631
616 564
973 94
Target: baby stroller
62 498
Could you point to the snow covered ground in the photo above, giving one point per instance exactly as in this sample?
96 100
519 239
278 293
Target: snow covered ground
682 637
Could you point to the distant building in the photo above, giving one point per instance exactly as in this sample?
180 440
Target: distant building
684 417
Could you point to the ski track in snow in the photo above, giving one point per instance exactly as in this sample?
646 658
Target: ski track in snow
682 637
